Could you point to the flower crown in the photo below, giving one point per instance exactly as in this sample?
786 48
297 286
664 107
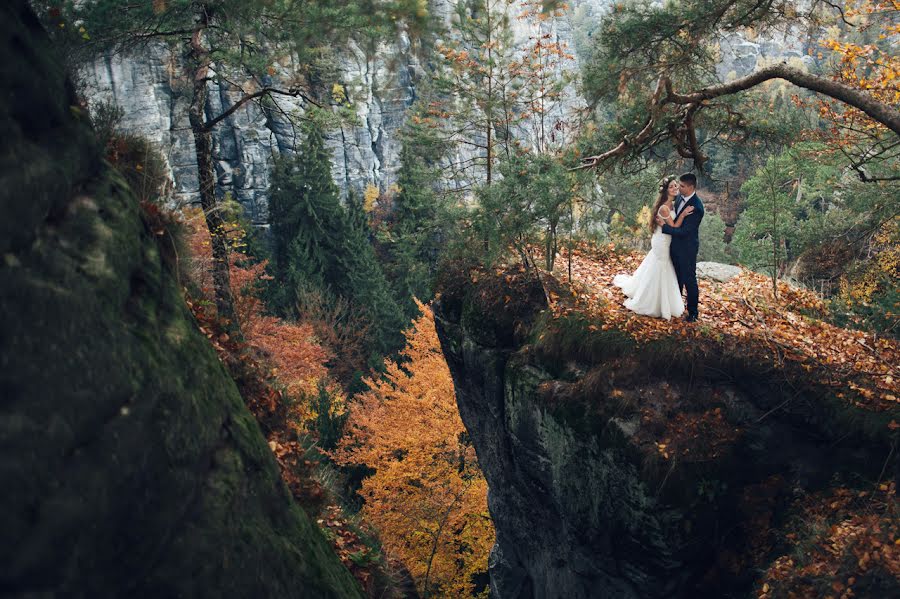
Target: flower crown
664 182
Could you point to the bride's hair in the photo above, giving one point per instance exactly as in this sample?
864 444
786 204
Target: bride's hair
660 200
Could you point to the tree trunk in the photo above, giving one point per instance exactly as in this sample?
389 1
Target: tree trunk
207 176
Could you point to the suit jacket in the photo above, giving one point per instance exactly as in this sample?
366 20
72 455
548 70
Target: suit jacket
686 238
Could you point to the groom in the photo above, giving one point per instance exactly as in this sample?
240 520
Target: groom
686 241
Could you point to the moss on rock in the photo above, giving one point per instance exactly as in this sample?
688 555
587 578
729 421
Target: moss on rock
130 465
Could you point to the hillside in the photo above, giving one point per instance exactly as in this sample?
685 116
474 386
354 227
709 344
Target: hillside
751 452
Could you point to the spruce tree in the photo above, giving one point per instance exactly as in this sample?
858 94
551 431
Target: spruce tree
319 245
415 229
365 283
306 221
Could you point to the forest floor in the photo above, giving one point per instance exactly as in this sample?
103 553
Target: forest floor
839 542
743 313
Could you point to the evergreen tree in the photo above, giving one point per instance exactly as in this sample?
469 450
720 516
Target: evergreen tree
321 246
360 277
306 221
413 234
235 43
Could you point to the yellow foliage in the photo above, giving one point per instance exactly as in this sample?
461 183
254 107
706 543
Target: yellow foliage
370 196
338 93
427 498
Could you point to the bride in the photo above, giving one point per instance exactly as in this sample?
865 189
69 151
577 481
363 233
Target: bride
653 288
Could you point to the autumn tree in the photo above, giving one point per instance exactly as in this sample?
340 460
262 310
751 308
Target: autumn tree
547 68
478 82
861 50
427 497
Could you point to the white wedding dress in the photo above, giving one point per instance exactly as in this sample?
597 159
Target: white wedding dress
653 288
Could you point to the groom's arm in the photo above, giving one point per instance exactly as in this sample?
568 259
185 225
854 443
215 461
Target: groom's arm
689 226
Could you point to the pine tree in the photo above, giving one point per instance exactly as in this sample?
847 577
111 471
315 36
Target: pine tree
306 221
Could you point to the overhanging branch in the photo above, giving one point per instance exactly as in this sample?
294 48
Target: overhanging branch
685 133
878 111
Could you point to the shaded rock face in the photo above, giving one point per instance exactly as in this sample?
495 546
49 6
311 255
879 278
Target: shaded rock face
130 465
584 502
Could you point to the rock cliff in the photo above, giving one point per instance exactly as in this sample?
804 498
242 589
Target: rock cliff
130 464
625 470
380 81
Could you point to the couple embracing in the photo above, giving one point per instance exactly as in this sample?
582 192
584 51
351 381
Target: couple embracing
671 265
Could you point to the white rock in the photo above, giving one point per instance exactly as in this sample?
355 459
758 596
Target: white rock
717 271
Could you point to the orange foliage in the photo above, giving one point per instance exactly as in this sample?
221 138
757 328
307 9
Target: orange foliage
865 66
292 348
743 317
853 539
277 357
427 497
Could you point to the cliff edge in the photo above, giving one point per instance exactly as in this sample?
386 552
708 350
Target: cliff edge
680 463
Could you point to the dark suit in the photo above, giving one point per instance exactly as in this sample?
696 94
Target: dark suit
684 248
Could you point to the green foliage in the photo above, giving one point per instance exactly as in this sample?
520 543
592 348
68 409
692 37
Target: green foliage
318 245
765 229
533 198
329 423
639 41
712 240
305 220
248 35
361 279
419 220
827 227
624 194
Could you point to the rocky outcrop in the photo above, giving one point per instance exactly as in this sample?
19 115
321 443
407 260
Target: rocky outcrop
716 271
625 470
130 465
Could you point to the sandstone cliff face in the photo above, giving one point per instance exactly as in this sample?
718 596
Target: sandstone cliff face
381 82
149 88
130 465
585 501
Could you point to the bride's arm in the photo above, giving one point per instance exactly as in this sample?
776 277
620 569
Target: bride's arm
665 214
681 217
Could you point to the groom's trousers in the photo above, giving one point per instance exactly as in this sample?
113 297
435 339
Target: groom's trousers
685 264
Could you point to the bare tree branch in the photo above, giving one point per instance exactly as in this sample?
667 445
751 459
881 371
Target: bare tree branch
258 94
